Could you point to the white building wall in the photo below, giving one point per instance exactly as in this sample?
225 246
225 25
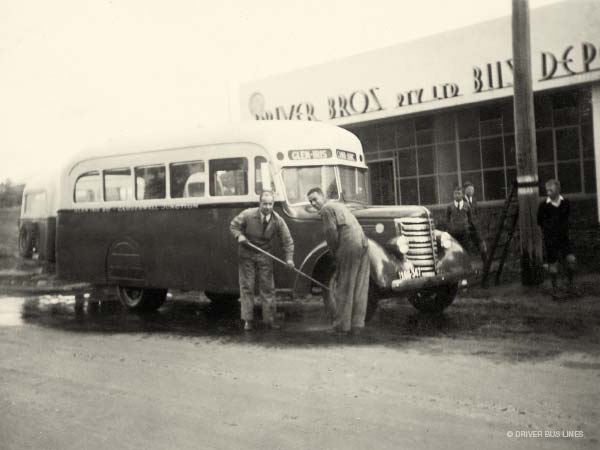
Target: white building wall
464 66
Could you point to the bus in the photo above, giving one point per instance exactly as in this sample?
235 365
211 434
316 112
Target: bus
153 215
37 222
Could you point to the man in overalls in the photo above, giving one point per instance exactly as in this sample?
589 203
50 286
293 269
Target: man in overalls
349 246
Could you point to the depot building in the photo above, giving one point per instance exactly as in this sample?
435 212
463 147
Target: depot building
437 112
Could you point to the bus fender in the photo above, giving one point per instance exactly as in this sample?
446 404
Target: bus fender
384 267
302 285
124 263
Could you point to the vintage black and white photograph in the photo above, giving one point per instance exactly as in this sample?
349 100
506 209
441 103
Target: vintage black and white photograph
290 225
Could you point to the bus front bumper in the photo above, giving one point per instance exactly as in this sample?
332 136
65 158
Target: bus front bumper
415 284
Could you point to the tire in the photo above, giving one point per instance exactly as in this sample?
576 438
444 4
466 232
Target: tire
219 297
26 241
141 299
372 301
224 304
434 300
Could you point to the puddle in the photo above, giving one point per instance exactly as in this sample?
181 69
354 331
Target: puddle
10 311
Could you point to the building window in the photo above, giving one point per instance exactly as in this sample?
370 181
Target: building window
434 153
382 182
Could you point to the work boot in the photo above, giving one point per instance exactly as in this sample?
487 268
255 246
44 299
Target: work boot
573 291
248 325
557 295
356 331
337 331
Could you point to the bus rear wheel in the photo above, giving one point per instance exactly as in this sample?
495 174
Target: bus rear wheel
26 242
434 300
141 299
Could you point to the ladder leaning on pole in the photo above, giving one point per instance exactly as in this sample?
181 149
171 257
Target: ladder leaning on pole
503 237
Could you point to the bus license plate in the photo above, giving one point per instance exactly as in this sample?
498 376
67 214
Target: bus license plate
410 274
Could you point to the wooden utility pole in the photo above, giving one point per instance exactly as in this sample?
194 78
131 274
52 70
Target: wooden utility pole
527 174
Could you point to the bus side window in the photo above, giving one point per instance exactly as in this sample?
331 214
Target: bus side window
228 176
150 182
35 204
262 170
87 188
188 179
117 185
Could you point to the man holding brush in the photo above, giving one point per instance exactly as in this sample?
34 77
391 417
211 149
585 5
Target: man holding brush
260 226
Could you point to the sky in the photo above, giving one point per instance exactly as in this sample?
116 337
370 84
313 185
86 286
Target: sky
76 74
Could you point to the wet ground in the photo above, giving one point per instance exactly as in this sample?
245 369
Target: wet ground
505 368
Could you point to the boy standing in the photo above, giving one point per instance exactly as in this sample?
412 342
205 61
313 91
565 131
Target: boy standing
458 218
553 218
474 235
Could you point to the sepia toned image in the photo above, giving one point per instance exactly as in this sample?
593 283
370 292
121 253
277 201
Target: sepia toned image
291 225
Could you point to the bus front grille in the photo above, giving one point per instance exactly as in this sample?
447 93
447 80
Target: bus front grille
422 251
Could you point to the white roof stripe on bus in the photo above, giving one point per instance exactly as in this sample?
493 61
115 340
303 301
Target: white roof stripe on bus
273 135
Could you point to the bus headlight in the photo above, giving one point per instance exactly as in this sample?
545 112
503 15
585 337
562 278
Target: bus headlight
402 244
446 240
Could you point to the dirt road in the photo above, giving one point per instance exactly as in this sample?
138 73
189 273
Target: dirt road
496 372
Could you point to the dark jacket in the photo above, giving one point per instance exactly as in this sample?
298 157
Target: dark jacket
473 205
249 223
554 221
459 220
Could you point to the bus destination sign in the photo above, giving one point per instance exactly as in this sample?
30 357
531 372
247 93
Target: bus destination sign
344 154
300 155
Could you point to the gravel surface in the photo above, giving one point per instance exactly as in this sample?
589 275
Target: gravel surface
507 368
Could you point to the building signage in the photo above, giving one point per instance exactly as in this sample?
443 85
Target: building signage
488 77
459 67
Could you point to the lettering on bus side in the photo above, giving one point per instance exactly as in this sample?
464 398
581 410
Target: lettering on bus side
137 208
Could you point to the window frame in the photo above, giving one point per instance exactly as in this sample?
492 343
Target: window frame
211 161
135 182
97 173
131 177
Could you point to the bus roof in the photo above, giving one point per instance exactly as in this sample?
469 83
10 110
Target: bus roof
275 136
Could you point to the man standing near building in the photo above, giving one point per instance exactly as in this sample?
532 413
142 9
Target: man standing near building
458 218
553 218
474 235
349 246
260 226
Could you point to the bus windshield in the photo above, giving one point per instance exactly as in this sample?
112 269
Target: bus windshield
298 181
354 184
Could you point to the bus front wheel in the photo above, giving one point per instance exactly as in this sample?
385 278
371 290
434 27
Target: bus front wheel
141 299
